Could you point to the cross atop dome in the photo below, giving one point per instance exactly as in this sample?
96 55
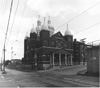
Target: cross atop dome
38 22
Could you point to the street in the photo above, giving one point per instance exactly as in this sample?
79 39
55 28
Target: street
65 77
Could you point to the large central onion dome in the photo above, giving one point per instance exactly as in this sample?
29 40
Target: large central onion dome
38 28
44 26
67 32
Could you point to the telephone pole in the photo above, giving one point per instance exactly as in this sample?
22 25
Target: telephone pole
4 49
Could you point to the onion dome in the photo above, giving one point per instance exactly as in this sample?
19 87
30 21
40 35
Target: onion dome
38 28
38 22
26 36
44 26
67 32
49 24
50 27
32 29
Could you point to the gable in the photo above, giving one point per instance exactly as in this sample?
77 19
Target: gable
57 35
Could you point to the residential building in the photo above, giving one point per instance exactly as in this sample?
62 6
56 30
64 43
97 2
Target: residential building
79 52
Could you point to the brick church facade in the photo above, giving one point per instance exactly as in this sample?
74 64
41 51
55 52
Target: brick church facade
45 49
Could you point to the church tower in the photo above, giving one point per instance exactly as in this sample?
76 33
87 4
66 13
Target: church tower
69 38
33 38
33 34
44 34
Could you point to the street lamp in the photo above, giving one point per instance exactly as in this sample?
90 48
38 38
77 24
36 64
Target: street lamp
12 52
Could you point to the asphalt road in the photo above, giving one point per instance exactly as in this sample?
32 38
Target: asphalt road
54 78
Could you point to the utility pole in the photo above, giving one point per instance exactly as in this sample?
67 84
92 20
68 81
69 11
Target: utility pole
1 63
6 37
99 54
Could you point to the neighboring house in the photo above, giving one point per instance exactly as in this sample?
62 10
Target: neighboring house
44 48
93 58
79 52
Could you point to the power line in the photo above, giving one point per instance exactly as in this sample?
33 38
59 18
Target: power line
21 19
13 20
87 28
93 41
4 11
79 15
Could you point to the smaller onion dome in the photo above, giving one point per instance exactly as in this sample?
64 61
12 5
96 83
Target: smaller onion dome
32 29
49 25
67 32
38 28
26 36
44 26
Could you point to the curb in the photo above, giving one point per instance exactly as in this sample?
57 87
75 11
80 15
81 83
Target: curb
61 68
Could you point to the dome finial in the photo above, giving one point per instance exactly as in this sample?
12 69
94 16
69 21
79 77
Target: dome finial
38 22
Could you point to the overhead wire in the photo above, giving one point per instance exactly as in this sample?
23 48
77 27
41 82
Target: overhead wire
21 19
13 20
87 28
4 12
93 41
78 15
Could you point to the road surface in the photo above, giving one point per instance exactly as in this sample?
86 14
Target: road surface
65 77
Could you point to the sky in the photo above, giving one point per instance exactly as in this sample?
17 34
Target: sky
60 11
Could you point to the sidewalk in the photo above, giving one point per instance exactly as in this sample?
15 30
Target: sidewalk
60 68
6 82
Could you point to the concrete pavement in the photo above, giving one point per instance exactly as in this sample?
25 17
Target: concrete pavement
64 77
7 82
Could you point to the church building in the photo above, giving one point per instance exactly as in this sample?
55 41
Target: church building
44 49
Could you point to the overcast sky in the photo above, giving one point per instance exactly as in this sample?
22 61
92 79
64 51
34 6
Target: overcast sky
60 12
